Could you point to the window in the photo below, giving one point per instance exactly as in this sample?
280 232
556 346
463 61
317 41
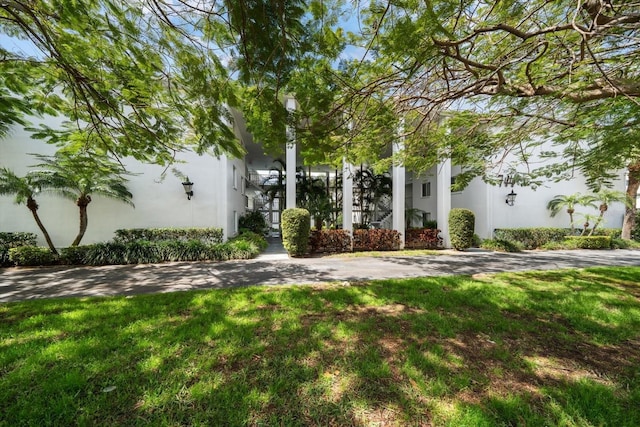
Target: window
243 185
235 178
426 189
235 222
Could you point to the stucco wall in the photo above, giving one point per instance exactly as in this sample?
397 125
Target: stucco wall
530 208
158 202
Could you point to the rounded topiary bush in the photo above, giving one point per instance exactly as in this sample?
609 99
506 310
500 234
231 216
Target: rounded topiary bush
296 227
461 228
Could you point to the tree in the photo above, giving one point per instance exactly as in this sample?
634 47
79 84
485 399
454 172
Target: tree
149 78
78 177
486 83
569 202
606 197
24 189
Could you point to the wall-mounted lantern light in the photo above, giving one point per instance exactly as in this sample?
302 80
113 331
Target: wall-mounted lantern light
188 188
511 198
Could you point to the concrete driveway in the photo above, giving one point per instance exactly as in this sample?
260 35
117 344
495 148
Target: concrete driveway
52 282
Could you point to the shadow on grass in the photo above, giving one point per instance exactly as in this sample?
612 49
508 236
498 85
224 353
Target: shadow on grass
531 348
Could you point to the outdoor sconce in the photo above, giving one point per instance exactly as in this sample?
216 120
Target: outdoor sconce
187 188
511 198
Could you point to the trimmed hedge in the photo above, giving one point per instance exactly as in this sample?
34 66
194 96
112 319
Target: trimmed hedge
32 256
423 238
461 228
14 240
589 242
296 228
531 238
205 235
376 240
498 245
330 241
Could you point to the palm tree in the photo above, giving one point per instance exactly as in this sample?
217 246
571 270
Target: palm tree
587 218
560 201
606 197
77 177
24 189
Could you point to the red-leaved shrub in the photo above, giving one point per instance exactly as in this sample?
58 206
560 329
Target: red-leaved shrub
376 240
423 238
330 241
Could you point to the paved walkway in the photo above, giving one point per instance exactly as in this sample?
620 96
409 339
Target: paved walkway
274 267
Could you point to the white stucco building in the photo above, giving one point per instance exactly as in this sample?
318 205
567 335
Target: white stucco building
223 192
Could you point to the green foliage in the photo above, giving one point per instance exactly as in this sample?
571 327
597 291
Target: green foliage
251 237
145 252
461 228
205 235
330 241
499 245
614 233
531 238
588 242
32 256
14 240
377 239
422 238
296 228
253 221
17 238
477 241
430 224
74 255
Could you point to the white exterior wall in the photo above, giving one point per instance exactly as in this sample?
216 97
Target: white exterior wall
428 203
158 203
530 209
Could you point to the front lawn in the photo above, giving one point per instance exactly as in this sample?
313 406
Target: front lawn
538 348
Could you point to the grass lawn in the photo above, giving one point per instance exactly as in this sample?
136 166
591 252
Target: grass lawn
382 254
539 348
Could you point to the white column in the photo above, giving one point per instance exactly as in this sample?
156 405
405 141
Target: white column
489 212
291 159
347 196
444 199
398 175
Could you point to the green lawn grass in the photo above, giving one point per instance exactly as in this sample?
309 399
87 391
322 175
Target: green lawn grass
538 348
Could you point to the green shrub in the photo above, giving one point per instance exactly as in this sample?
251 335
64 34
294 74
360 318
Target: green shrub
498 245
14 240
254 222
588 242
620 243
376 240
32 256
330 241
555 246
430 224
531 238
296 227
257 239
477 241
18 238
205 235
614 233
422 238
74 255
461 228
146 252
